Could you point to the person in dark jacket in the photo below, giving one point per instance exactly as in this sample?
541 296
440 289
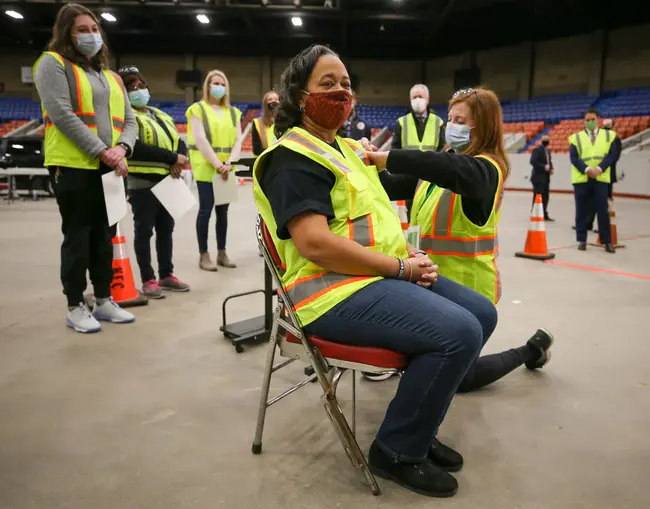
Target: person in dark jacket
157 153
355 127
542 163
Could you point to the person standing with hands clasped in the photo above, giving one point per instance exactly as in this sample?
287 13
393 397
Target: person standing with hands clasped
89 130
214 137
592 152
540 160
158 152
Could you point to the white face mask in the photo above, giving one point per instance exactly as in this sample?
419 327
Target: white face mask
419 105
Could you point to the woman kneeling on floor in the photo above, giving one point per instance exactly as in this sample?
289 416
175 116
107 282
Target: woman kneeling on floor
365 285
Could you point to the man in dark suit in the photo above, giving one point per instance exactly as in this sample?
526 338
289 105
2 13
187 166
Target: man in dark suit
540 160
354 127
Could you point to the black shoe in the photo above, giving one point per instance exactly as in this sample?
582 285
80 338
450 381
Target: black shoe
582 246
610 248
424 478
377 377
549 219
445 457
540 343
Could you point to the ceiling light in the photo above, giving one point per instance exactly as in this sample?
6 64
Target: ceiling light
296 3
109 17
202 18
14 14
296 21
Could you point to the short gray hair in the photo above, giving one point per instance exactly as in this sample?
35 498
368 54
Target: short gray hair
419 86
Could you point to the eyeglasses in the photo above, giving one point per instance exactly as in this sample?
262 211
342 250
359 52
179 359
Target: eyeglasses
465 92
129 70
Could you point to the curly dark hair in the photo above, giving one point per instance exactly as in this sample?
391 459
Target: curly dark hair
292 82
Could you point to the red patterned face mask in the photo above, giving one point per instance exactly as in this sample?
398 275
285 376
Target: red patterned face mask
329 109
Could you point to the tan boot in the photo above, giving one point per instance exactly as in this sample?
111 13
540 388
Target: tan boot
205 263
224 261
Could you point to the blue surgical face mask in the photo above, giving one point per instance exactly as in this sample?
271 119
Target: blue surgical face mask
139 98
457 135
217 91
89 44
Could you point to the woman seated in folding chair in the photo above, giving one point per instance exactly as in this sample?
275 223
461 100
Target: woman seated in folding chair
455 214
353 278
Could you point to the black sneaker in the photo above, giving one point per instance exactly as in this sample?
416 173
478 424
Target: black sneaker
445 457
424 478
377 377
540 343
610 248
582 246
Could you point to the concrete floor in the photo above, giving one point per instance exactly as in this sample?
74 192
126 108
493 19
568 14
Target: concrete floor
160 414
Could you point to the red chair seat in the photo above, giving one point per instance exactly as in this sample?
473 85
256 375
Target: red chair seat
378 357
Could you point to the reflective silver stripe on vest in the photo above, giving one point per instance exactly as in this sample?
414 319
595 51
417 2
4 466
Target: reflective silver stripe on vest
311 288
118 123
466 247
405 132
206 128
361 230
296 138
87 118
215 149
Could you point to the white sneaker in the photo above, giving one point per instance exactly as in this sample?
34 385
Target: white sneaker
81 320
109 311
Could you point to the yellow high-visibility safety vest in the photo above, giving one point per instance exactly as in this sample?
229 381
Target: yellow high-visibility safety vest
464 252
362 211
221 132
59 150
592 154
430 138
151 132
265 132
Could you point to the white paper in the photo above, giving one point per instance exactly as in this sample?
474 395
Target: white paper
174 195
114 197
225 191
413 236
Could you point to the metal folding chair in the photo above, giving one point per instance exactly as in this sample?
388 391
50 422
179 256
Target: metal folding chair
328 359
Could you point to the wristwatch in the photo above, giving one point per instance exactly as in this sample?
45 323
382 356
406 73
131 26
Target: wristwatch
419 251
125 147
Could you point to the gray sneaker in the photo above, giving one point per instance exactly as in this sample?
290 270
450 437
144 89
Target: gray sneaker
173 284
81 320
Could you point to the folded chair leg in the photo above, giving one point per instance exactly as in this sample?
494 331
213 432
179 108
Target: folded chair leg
266 383
346 436
354 401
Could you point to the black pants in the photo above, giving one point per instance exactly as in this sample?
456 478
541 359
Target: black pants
149 214
206 204
542 187
594 194
87 238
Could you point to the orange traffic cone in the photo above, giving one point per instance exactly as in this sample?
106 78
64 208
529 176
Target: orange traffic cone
123 288
536 247
402 212
612 222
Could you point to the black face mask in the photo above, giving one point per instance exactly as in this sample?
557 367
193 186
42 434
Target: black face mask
272 106
545 143
607 128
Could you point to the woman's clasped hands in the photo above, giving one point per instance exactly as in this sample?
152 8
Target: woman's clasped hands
419 269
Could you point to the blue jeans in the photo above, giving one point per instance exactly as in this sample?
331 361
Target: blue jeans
441 329
206 203
592 194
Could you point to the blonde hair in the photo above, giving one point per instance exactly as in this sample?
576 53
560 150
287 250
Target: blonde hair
225 100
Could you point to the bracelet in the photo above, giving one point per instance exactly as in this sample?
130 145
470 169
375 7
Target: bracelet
410 270
400 273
